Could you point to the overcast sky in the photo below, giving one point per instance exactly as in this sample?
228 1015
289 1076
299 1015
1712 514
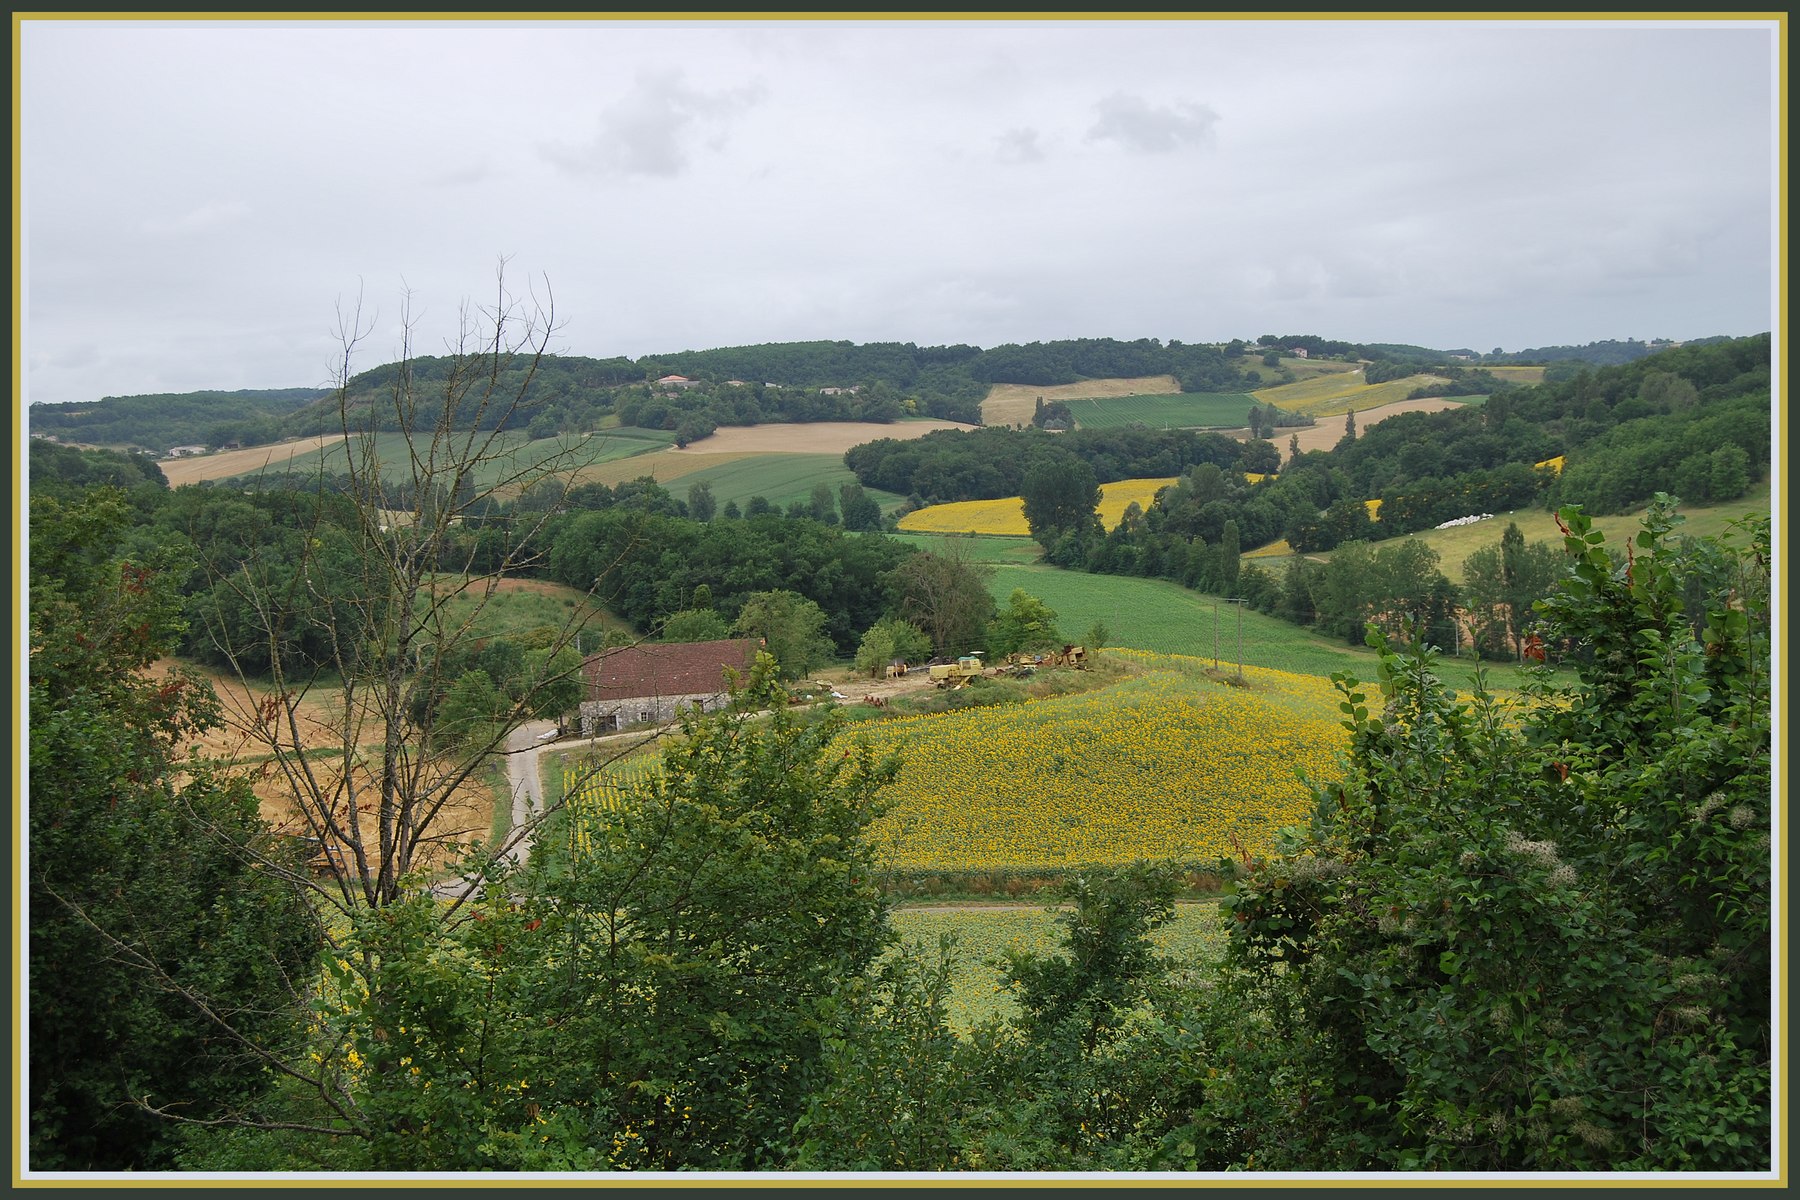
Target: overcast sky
199 199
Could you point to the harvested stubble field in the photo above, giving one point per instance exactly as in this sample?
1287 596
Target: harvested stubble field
734 443
227 463
469 814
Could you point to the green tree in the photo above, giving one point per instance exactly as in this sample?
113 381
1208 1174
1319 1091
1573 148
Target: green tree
888 640
1085 996
1230 559
792 629
695 625
700 501
470 710
552 681
899 1088
1527 574
821 505
1503 583
861 512
1025 625
1728 476
1060 496
167 929
945 593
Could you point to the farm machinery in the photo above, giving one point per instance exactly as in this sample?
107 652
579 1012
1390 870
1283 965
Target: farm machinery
955 674
1025 664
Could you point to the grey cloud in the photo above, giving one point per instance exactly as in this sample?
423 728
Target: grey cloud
1135 124
1020 146
654 130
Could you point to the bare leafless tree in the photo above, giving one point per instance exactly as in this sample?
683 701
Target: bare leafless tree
352 735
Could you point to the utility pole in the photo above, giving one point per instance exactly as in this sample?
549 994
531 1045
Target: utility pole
1215 635
1240 634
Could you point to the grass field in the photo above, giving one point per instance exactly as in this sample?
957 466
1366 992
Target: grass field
521 605
1524 376
1184 410
1339 392
1194 938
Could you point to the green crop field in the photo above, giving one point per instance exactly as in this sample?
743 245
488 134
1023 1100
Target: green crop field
981 548
780 479
1193 938
1183 410
1156 614
1164 617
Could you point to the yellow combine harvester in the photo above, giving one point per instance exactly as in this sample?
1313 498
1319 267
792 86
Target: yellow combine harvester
955 674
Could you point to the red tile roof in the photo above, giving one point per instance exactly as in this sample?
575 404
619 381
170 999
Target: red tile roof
678 669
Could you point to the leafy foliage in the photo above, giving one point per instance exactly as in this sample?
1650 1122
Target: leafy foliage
165 926
1538 943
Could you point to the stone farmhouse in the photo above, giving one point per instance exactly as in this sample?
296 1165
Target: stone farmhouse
634 685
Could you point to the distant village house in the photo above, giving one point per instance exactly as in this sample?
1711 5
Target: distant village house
636 685
676 382
185 451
